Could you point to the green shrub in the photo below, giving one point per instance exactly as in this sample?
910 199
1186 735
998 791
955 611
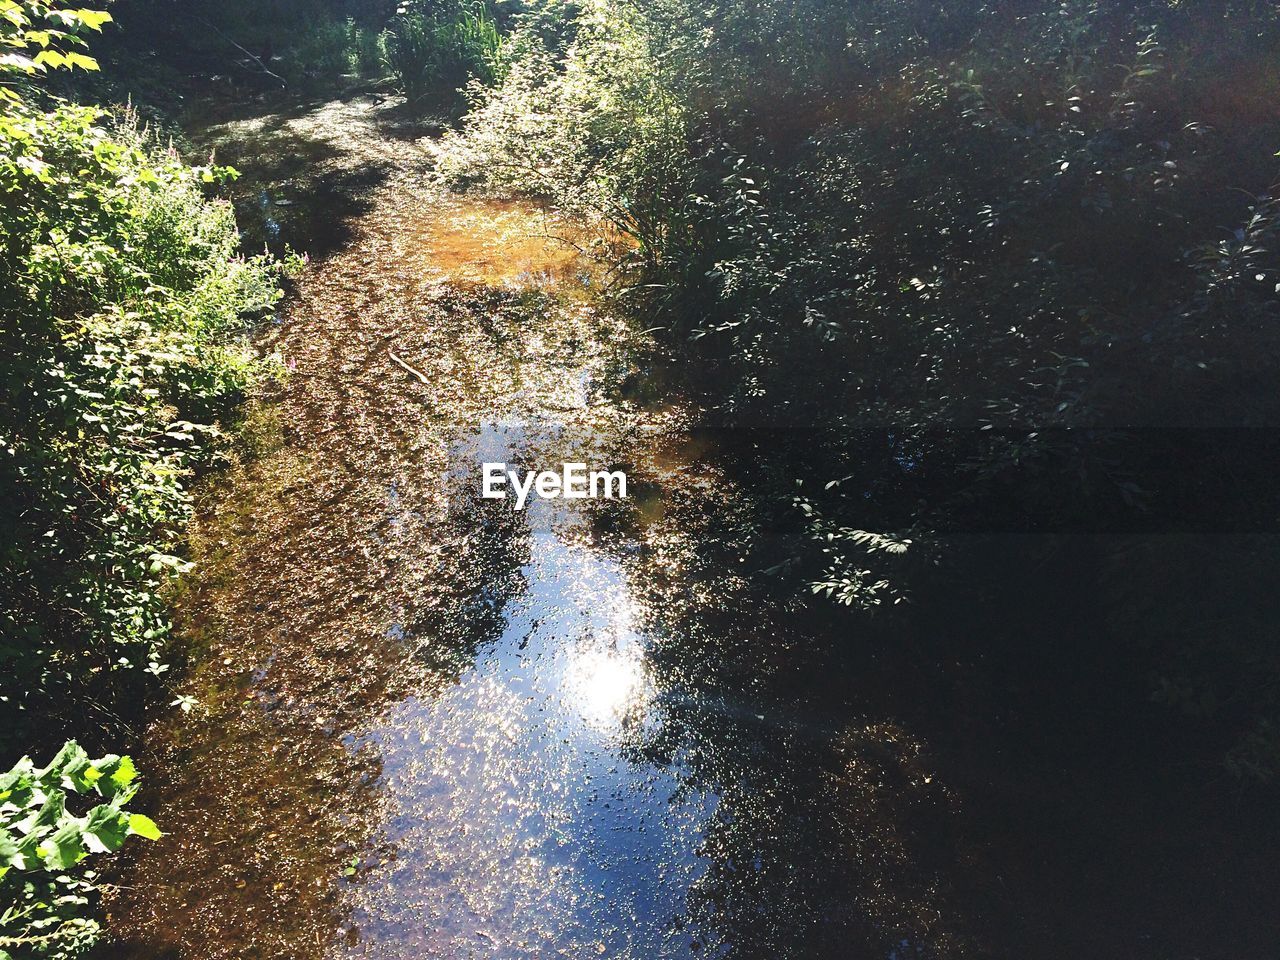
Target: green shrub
46 903
894 217
366 50
124 310
600 128
327 48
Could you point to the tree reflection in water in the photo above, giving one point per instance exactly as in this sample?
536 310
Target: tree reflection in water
830 837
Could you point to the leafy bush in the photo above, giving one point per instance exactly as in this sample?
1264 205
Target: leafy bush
435 50
45 903
893 218
366 50
124 310
599 129
968 255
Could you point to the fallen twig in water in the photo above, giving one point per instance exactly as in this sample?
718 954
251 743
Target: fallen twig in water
417 373
258 60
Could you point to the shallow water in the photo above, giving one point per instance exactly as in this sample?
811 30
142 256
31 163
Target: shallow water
431 726
457 680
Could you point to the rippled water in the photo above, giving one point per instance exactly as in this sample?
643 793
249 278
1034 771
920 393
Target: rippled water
482 799
518 828
431 726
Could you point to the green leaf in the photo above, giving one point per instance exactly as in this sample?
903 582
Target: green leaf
105 829
93 19
80 60
65 848
74 772
10 856
49 814
121 773
144 827
50 58
71 753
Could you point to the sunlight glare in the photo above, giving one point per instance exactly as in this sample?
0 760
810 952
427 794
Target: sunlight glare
606 679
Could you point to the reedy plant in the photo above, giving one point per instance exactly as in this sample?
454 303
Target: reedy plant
434 51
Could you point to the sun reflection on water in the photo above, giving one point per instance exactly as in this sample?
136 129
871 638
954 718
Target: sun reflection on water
605 684
606 678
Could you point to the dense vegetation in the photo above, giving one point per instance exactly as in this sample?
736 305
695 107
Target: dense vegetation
252 47
982 268
970 271
124 306
427 49
434 49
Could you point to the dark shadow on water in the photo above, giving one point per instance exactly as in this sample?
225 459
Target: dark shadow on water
291 196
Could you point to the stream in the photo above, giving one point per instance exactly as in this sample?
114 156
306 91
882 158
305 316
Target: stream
428 725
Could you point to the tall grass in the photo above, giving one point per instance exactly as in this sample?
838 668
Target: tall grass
437 53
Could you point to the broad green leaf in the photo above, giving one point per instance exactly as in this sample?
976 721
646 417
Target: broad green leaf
121 773
70 753
144 827
105 829
64 848
80 60
9 853
48 815
51 58
93 19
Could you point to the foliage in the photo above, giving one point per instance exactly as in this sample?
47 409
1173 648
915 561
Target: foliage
845 580
987 262
123 315
436 48
328 47
38 37
601 128
166 46
45 899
